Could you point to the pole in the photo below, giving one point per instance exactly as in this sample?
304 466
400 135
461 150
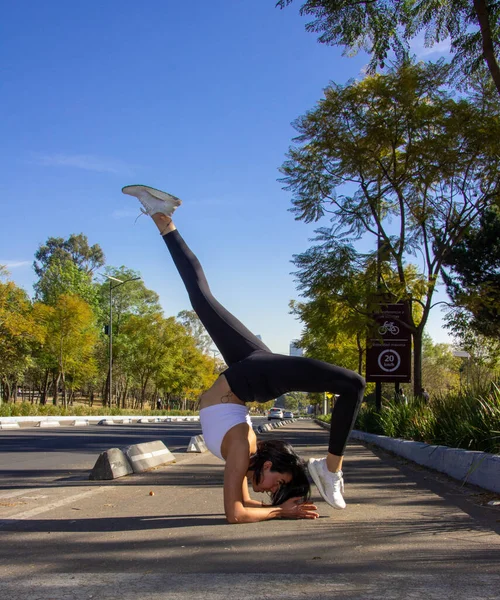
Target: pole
111 288
378 384
110 378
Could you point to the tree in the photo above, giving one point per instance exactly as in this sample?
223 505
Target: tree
395 157
296 401
196 329
19 335
70 342
152 348
334 332
378 26
133 298
63 277
75 249
67 267
473 278
440 368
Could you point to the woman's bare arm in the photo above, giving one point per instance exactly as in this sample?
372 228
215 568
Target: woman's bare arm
234 477
235 507
247 501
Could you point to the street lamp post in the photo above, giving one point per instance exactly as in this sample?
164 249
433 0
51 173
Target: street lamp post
110 333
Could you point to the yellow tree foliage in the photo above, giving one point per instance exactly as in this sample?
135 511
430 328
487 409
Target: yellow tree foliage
71 337
19 333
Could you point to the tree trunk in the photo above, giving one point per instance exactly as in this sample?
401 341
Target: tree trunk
483 18
5 389
124 397
417 361
360 354
55 383
64 394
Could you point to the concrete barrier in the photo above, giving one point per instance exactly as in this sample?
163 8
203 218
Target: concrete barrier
80 422
477 468
144 420
149 455
48 424
111 464
106 422
197 444
4 425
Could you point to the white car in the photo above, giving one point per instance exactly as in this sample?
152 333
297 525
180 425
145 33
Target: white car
275 413
288 414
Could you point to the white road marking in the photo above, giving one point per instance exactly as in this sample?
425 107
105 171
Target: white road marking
41 509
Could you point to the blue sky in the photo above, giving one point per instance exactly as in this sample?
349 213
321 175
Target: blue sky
196 98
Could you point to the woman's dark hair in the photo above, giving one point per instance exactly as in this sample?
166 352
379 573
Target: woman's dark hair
285 460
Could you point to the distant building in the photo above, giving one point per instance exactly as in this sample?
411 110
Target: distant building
294 350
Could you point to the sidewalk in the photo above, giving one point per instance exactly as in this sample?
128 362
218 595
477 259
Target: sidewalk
406 533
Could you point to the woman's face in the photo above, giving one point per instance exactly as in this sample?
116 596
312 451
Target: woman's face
270 480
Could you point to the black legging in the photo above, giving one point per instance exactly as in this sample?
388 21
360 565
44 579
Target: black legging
254 372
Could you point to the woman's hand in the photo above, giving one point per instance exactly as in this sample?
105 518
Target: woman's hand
294 508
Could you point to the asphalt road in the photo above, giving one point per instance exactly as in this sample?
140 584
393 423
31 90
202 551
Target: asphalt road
30 455
406 534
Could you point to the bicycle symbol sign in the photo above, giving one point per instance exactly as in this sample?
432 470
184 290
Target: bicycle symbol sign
388 327
389 360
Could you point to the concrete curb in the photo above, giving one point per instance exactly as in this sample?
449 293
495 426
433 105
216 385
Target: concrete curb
91 420
9 425
477 468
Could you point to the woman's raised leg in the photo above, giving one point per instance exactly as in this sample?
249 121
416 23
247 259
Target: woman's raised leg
234 341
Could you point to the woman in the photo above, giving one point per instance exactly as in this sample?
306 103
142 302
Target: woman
256 374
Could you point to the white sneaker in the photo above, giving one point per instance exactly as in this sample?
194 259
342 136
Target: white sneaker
330 485
153 201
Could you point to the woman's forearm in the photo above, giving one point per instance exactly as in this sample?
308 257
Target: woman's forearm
254 514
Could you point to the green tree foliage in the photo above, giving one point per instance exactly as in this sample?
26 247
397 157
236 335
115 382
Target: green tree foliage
378 26
195 328
473 279
395 157
63 277
160 356
296 402
334 331
131 298
67 267
75 249
440 368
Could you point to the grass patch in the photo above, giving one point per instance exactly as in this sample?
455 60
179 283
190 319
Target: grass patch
461 420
